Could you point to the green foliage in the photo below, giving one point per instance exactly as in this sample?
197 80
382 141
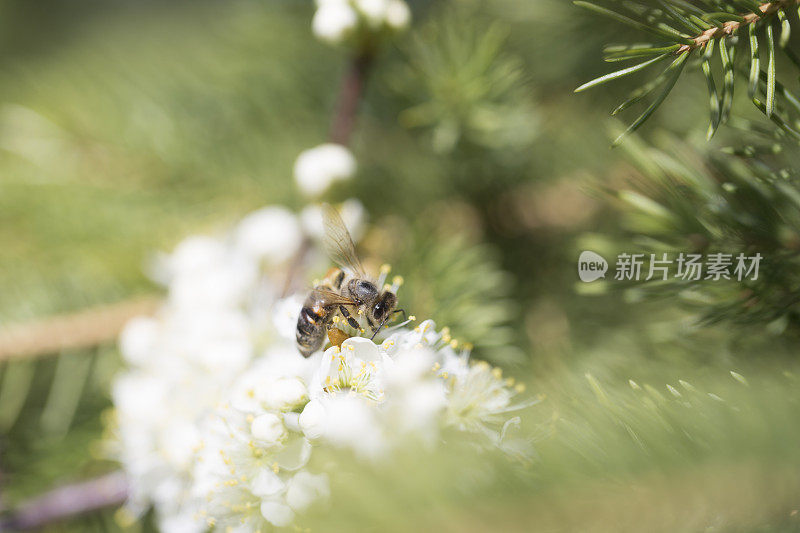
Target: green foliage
465 86
612 455
686 30
685 202
50 420
460 285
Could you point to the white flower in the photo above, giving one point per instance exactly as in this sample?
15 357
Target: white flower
305 488
313 419
373 10
284 315
138 339
225 283
272 383
318 168
398 16
270 234
334 22
367 397
195 254
355 368
278 514
247 465
268 429
479 399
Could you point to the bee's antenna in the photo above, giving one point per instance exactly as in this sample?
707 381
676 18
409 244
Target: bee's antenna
387 318
380 326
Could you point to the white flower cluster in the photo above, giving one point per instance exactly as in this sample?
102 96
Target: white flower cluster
337 21
318 168
183 361
218 414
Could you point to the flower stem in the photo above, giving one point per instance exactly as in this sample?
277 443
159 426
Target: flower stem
350 93
69 500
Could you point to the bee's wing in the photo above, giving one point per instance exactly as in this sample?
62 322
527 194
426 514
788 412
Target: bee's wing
338 243
326 297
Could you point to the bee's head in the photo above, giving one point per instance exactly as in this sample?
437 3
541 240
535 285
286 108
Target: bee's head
383 306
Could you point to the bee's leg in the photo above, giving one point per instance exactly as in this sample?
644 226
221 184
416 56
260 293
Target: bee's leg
400 311
350 319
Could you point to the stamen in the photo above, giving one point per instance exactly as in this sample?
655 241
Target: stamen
385 269
397 281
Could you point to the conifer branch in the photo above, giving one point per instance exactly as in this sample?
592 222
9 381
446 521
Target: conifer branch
730 27
702 27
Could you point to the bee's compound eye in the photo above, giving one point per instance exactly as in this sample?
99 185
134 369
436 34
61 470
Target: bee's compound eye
379 310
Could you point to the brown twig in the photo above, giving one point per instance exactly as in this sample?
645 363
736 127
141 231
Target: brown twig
350 93
68 501
343 123
83 329
732 26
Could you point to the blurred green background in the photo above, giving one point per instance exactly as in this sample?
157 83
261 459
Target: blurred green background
126 125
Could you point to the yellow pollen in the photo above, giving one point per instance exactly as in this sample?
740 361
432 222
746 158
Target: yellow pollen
520 387
275 467
510 382
250 419
436 367
385 268
497 372
444 375
387 287
397 280
468 346
251 393
454 343
412 318
336 319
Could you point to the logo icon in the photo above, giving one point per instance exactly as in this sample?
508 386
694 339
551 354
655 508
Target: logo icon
591 266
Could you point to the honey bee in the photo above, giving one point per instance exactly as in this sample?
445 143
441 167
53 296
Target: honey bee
347 290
